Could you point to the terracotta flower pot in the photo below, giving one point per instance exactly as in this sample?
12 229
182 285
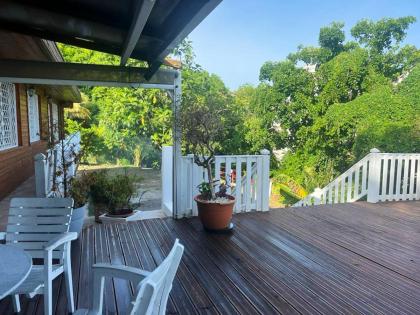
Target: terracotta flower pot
215 216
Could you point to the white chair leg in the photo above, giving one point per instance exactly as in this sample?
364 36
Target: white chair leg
69 288
68 278
16 303
48 298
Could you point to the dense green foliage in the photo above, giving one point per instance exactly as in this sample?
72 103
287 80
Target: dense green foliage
363 94
130 125
325 107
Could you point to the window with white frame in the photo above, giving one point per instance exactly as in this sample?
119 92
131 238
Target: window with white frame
33 115
8 116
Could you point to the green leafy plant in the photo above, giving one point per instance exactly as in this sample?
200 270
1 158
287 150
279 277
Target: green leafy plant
80 189
113 192
205 190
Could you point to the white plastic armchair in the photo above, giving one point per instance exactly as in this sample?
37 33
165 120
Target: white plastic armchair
152 288
40 227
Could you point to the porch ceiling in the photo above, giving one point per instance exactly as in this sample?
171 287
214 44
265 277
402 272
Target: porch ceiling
146 30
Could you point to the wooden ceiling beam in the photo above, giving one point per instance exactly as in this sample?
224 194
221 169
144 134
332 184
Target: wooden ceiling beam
180 30
67 29
137 25
60 73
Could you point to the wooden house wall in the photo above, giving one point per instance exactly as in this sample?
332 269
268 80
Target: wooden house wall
17 164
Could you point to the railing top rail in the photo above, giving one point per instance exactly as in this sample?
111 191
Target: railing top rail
230 156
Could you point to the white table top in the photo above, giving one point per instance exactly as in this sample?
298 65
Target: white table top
15 265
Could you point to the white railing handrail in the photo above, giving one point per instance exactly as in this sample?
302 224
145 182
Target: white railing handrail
372 177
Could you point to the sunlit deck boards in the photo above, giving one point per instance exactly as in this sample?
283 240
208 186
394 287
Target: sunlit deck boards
352 258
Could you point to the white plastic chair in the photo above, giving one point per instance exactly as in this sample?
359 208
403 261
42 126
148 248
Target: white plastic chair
152 288
40 227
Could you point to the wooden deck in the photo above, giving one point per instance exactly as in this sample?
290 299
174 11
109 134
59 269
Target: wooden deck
348 259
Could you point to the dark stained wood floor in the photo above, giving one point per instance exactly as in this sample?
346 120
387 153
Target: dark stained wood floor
342 259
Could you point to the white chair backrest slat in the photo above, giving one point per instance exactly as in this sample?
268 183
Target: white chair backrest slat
153 291
35 221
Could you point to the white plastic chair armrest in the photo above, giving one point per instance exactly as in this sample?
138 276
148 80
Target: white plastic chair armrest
2 236
60 240
120 271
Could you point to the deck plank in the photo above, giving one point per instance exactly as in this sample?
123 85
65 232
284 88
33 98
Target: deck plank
345 259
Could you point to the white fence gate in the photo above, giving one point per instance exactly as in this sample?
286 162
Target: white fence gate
378 176
247 178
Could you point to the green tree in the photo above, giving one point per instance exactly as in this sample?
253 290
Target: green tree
383 34
332 37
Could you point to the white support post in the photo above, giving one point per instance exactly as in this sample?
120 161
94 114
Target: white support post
178 212
40 175
265 191
167 180
374 176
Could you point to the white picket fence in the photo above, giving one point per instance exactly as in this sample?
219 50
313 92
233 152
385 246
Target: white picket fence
378 177
48 178
247 178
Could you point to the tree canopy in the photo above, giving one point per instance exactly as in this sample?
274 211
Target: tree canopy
321 109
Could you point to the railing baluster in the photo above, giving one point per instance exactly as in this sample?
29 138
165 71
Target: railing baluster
336 192
405 178
259 184
356 183
330 193
349 186
399 175
343 189
391 177
248 184
238 184
365 177
412 175
217 172
228 167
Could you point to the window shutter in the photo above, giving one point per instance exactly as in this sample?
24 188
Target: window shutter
33 115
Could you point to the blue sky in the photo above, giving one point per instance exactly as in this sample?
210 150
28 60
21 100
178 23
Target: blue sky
240 35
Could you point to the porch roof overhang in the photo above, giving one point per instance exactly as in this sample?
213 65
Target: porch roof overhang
60 73
145 30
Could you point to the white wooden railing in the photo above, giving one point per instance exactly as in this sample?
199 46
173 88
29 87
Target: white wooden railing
378 177
49 178
247 178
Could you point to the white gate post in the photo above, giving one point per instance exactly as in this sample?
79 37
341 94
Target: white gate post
265 179
40 175
166 178
374 176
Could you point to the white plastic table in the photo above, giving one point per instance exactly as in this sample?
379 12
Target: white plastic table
15 265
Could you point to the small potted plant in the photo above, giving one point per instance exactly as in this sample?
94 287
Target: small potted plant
119 192
202 127
80 191
113 195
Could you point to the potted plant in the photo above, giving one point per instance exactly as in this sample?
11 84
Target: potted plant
113 194
80 191
202 127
